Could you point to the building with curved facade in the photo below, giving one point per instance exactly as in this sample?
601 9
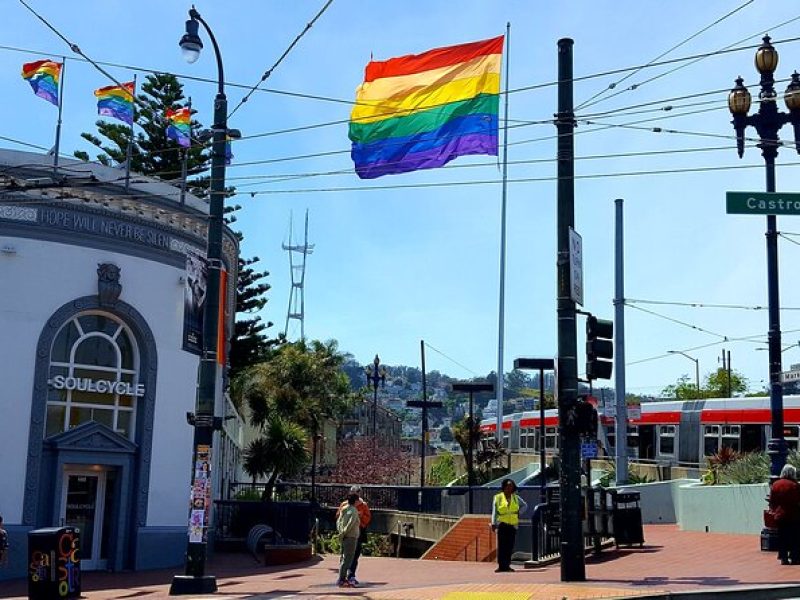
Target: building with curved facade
101 296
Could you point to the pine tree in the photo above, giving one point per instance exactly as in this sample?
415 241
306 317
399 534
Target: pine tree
154 154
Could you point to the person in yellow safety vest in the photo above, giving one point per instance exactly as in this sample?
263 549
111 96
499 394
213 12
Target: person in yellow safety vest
507 507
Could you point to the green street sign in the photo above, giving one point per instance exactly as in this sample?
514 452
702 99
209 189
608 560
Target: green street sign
762 203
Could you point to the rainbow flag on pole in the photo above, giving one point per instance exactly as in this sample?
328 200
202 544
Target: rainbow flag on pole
116 102
422 111
180 126
43 75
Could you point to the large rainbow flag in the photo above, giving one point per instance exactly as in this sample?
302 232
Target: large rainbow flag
116 101
43 75
180 126
422 111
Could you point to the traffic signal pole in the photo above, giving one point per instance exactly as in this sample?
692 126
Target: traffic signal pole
621 418
572 550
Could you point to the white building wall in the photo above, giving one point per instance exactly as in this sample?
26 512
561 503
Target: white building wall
38 279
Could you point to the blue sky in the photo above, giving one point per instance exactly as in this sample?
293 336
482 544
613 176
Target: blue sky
394 266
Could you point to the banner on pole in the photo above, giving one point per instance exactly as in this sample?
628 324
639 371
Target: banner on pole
194 302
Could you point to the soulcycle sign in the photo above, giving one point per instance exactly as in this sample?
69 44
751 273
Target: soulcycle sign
97 386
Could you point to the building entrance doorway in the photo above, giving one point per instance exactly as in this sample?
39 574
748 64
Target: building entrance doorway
85 501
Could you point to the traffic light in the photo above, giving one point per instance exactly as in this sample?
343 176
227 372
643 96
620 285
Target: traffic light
599 348
586 419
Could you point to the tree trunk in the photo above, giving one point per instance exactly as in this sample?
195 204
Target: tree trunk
270 485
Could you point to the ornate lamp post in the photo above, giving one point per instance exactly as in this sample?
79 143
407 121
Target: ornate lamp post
767 122
376 375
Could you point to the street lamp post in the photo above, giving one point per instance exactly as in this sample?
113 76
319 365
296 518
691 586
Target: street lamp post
376 375
471 387
767 122
696 362
195 580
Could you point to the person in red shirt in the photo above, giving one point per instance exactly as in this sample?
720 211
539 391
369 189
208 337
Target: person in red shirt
784 504
364 517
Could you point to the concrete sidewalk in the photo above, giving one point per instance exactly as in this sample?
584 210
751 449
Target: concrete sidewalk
671 564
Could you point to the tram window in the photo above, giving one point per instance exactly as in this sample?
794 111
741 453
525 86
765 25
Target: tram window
731 435
791 433
666 440
506 438
551 438
611 436
633 437
526 439
711 440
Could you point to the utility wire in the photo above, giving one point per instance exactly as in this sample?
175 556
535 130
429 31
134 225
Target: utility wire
688 63
630 301
613 85
452 360
677 321
286 52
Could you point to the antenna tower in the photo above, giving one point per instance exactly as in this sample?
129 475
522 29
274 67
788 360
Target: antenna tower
297 270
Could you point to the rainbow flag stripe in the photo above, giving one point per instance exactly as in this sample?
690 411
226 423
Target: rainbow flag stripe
180 126
422 111
43 75
116 102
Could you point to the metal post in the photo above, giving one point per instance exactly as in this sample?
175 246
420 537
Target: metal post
697 376
730 387
542 453
470 453
621 418
57 147
572 552
776 447
195 580
314 441
129 152
375 410
423 449
502 310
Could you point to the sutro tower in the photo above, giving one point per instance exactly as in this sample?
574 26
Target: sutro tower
297 271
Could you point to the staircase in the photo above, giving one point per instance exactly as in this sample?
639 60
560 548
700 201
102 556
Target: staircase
470 539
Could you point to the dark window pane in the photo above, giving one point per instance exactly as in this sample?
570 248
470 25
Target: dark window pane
90 323
710 445
126 349
667 445
124 423
55 420
63 342
79 415
96 351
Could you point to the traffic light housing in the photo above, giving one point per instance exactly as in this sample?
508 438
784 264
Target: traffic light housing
599 348
586 419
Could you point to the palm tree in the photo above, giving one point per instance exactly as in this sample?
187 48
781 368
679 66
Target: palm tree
281 451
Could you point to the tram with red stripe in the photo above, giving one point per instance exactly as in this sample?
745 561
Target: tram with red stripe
672 432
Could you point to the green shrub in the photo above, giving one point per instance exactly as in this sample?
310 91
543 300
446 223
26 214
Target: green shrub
752 467
376 544
609 476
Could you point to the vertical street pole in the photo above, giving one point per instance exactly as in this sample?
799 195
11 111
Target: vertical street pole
621 418
195 580
542 453
423 449
375 410
470 429
730 387
502 308
129 151
776 447
572 551
57 147
697 376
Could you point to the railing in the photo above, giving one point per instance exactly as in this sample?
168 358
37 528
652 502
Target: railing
235 518
476 542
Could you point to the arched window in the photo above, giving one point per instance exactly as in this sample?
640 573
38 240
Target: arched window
93 375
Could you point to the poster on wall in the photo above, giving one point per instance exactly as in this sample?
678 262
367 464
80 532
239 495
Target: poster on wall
194 297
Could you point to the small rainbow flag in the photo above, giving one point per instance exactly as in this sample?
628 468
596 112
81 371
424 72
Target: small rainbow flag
422 111
116 102
180 126
43 75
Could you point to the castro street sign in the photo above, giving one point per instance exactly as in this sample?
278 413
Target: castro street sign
99 386
762 203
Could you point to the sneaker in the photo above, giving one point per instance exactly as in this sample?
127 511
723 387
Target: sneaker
353 582
345 584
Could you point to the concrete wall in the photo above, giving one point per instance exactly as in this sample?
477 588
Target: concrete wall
659 501
426 526
722 508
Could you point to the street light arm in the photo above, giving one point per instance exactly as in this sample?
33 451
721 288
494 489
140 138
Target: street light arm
220 70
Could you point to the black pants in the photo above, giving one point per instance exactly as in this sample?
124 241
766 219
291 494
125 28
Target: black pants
362 537
506 536
789 542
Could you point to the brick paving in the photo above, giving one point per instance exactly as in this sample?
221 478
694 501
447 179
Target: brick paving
671 560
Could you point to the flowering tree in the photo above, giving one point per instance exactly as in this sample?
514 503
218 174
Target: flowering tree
362 460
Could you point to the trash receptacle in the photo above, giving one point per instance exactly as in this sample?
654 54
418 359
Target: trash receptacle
54 570
626 518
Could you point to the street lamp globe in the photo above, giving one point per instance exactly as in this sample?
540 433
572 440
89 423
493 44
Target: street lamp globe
739 99
766 57
190 43
792 94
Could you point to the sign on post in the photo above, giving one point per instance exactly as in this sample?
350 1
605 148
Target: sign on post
575 267
790 376
762 203
589 449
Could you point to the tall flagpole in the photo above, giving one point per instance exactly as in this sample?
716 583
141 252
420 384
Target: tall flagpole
185 152
130 141
57 147
502 319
